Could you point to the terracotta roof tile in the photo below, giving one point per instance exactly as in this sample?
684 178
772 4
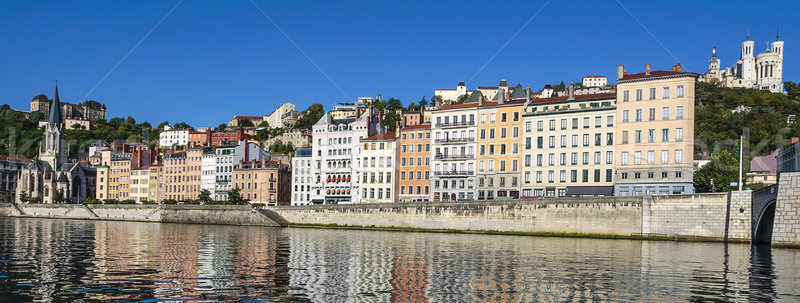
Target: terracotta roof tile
386 136
658 73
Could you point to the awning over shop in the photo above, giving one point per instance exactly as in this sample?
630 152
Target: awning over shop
589 191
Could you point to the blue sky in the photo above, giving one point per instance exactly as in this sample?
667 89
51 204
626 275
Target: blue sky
210 60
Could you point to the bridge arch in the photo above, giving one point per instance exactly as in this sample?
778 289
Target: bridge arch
762 227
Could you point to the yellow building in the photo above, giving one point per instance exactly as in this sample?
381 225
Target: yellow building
102 182
499 153
140 184
119 173
152 192
655 130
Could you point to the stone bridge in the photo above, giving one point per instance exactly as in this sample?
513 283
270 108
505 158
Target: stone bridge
776 213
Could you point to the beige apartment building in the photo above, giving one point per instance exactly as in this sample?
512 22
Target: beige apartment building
194 163
499 137
655 130
568 146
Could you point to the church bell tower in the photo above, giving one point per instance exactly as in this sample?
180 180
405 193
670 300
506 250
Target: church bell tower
54 132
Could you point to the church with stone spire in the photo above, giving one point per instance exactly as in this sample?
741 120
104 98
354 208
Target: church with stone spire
52 178
763 71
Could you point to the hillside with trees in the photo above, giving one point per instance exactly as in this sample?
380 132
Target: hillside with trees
722 115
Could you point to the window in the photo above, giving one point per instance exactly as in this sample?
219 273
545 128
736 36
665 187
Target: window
637 136
552 141
481 166
651 114
491 133
483 134
528 126
652 93
624 137
539 160
679 112
585 175
609 175
527 160
563 140
502 132
678 156
624 159
563 159
638 115
574 140
573 176
539 125
598 139
515 132
679 134
483 118
625 96
574 123
551 159
586 122
551 176
539 142
665 135
503 117
609 121
527 177
609 139
664 157
585 158
563 124
637 158
562 176
597 157
585 139
665 113
665 92
639 95
574 158
625 114
609 157
538 177
679 91
516 116
651 135
528 143
598 122
552 124
491 118
651 157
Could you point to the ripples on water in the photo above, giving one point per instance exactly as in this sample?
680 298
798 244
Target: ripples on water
66 260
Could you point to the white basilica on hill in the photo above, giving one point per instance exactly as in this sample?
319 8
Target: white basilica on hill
763 71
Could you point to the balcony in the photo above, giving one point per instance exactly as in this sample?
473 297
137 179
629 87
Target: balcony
453 173
455 124
455 140
455 157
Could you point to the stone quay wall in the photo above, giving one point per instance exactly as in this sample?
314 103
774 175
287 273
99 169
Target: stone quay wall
193 214
707 216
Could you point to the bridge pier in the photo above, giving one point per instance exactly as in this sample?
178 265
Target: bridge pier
786 228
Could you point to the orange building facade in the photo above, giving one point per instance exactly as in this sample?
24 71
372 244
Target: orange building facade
415 163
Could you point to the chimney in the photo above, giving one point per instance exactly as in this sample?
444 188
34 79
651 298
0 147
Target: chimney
620 71
208 137
246 151
528 95
571 92
676 67
647 69
397 126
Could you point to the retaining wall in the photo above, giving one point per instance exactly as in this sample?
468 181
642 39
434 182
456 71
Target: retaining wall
612 215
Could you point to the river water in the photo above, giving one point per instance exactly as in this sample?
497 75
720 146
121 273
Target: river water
72 260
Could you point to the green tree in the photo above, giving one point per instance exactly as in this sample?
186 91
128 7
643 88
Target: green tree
7 198
23 197
394 104
310 116
461 99
723 169
204 197
182 125
59 196
423 103
234 197
162 124
222 127
390 120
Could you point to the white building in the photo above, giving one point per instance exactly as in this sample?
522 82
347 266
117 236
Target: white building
208 170
285 115
454 165
173 137
335 157
302 176
594 81
378 165
763 71
452 94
